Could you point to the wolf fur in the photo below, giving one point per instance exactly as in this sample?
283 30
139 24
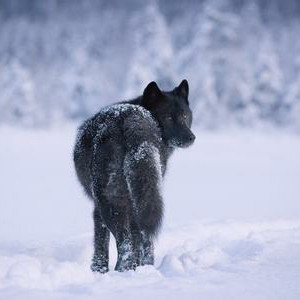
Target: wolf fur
120 158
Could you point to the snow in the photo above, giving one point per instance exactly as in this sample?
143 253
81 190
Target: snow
231 230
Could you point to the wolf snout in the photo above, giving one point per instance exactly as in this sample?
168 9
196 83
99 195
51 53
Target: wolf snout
187 141
191 139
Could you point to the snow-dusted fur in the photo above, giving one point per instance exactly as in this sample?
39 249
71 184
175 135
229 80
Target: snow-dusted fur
120 158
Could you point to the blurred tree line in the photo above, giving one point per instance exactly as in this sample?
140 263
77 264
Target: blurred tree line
63 60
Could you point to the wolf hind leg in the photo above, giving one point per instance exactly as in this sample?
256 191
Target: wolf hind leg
101 244
147 255
117 220
111 195
143 247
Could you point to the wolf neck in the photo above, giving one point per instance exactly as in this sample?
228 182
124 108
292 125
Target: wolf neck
166 150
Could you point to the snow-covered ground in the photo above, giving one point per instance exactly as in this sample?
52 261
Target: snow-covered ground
231 230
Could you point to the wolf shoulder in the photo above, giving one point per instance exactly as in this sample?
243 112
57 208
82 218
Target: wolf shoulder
122 122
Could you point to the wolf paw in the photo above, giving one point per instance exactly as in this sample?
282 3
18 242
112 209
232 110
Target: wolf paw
99 268
98 265
126 265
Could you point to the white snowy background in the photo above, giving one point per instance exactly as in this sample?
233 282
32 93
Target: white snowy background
232 210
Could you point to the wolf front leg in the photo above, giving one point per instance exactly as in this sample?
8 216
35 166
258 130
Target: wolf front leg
101 244
142 170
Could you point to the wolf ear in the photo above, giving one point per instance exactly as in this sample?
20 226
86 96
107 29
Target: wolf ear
151 93
183 89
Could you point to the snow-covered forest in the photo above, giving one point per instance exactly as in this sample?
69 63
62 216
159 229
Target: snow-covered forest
62 60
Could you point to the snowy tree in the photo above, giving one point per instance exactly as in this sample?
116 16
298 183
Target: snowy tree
18 103
268 80
292 99
238 56
153 55
206 59
240 78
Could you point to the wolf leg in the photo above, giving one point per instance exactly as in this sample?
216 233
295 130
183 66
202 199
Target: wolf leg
137 242
147 257
101 244
143 246
117 220
111 195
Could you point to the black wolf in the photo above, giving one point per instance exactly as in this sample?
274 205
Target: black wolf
120 157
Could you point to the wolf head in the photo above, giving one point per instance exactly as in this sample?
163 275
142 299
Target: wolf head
172 112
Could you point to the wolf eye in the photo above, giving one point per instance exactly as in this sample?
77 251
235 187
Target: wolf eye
185 116
169 118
